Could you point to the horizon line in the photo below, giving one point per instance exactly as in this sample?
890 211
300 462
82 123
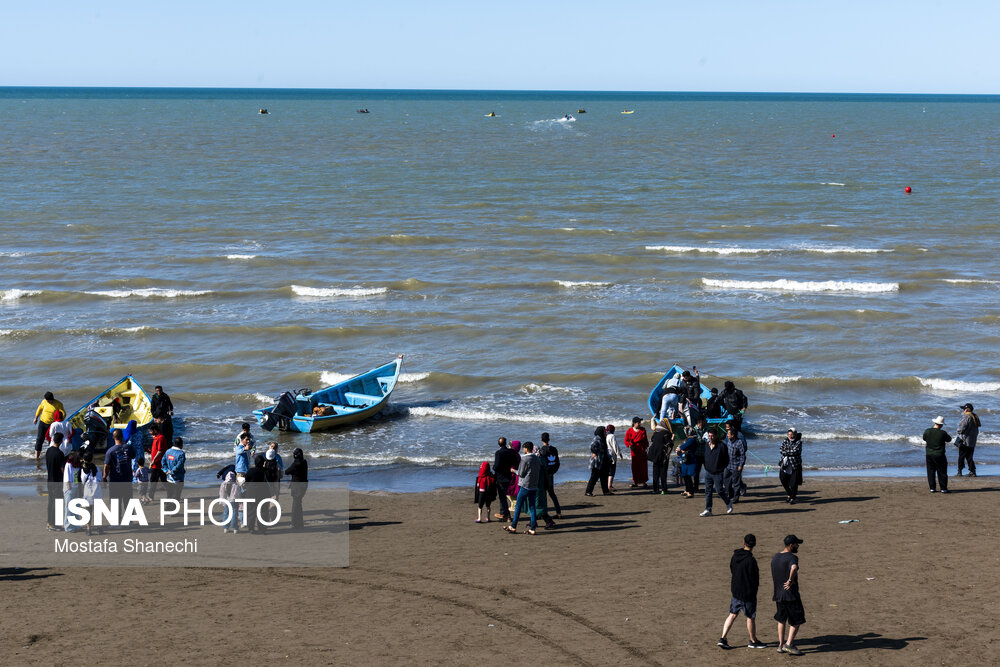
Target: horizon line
497 90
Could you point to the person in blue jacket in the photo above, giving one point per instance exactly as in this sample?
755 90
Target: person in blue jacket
173 466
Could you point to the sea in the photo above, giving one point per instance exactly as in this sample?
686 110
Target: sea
540 269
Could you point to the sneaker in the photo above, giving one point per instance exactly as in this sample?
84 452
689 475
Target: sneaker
781 648
722 643
944 490
706 513
933 490
792 650
729 509
756 644
971 474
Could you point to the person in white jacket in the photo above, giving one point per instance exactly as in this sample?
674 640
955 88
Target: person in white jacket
91 482
61 425
613 455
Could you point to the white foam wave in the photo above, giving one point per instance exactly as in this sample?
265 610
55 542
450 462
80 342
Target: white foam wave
969 281
469 414
785 285
13 254
846 250
584 283
777 379
357 290
15 294
830 225
331 377
135 329
834 183
263 399
6 332
412 377
875 437
959 385
240 256
534 388
149 292
716 250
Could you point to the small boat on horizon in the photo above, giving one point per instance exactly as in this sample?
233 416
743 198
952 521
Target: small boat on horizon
347 402
628 111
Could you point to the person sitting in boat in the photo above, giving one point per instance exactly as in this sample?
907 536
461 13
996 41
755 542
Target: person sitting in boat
714 408
690 411
691 386
734 402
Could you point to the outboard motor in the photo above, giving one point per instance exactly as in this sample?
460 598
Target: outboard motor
283 410
96 434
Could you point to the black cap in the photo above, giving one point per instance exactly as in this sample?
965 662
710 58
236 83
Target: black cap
636 420
791 539
967 406
750 540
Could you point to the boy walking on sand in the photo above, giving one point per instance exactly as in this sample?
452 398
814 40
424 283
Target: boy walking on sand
790 614
746 580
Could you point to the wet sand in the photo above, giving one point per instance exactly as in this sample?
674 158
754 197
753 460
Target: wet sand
628 579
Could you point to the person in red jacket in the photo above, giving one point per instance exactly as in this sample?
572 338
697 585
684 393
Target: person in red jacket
638 443
156 474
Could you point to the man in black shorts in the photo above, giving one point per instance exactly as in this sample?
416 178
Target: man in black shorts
785 571
746 579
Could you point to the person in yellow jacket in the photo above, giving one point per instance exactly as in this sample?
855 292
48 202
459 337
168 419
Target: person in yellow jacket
44 416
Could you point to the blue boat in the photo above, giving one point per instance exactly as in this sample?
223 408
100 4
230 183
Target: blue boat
347 402
677 424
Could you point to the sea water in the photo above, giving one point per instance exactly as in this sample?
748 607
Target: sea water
539 273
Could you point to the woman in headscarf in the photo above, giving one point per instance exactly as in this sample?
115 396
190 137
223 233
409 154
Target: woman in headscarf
299 472
486 492
638 443
599 464
229 491
613 455
790 467
515 485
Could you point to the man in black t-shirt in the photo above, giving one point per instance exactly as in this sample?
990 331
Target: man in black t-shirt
785 572
55 462
550 464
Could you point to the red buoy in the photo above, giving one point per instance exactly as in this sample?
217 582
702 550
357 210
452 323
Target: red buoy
907 189
833 136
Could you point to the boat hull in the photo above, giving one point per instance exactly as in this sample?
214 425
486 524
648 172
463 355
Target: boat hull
135 404
353 400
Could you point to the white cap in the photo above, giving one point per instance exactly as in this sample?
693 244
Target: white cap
939 421
270 455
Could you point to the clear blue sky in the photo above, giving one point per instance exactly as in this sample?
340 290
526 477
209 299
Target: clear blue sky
796 46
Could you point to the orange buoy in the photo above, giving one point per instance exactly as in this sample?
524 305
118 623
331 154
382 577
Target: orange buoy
833 136
907 189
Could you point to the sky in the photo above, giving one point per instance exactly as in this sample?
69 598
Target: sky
851 46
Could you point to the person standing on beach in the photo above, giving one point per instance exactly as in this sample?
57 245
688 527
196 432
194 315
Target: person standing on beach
613 455
716 462
744 585
156 452
60 426
55 464
790 466
243 450
162 409
790 613
937 463
299 472
599 465
968 433
685 453
503 460
737 446
659 454
173 465
44 416
701 430
72 486
118 470
550 461
638 443
529 472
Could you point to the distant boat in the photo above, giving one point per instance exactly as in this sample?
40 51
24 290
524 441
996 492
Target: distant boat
628 111
363 111
262 111
347 402
677 425
120 403
581 111
491 115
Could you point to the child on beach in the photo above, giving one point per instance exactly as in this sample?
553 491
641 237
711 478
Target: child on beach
91 482
72 481
140 476
486 492
230 490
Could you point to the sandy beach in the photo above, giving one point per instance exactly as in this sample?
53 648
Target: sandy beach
632 578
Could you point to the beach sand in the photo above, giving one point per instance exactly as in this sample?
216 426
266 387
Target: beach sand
628 579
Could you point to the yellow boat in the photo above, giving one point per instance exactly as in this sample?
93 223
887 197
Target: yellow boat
628 111
120 403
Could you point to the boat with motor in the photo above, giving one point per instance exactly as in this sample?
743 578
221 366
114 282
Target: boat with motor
667 384
347 402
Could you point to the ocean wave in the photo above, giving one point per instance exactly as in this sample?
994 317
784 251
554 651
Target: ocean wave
240 256
534 388
785 285
149 293
842 250
970 281
939 384
833 183
584 283
327 378
716 250
469 414
777 379
412 377
15 294
357 290
13 254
